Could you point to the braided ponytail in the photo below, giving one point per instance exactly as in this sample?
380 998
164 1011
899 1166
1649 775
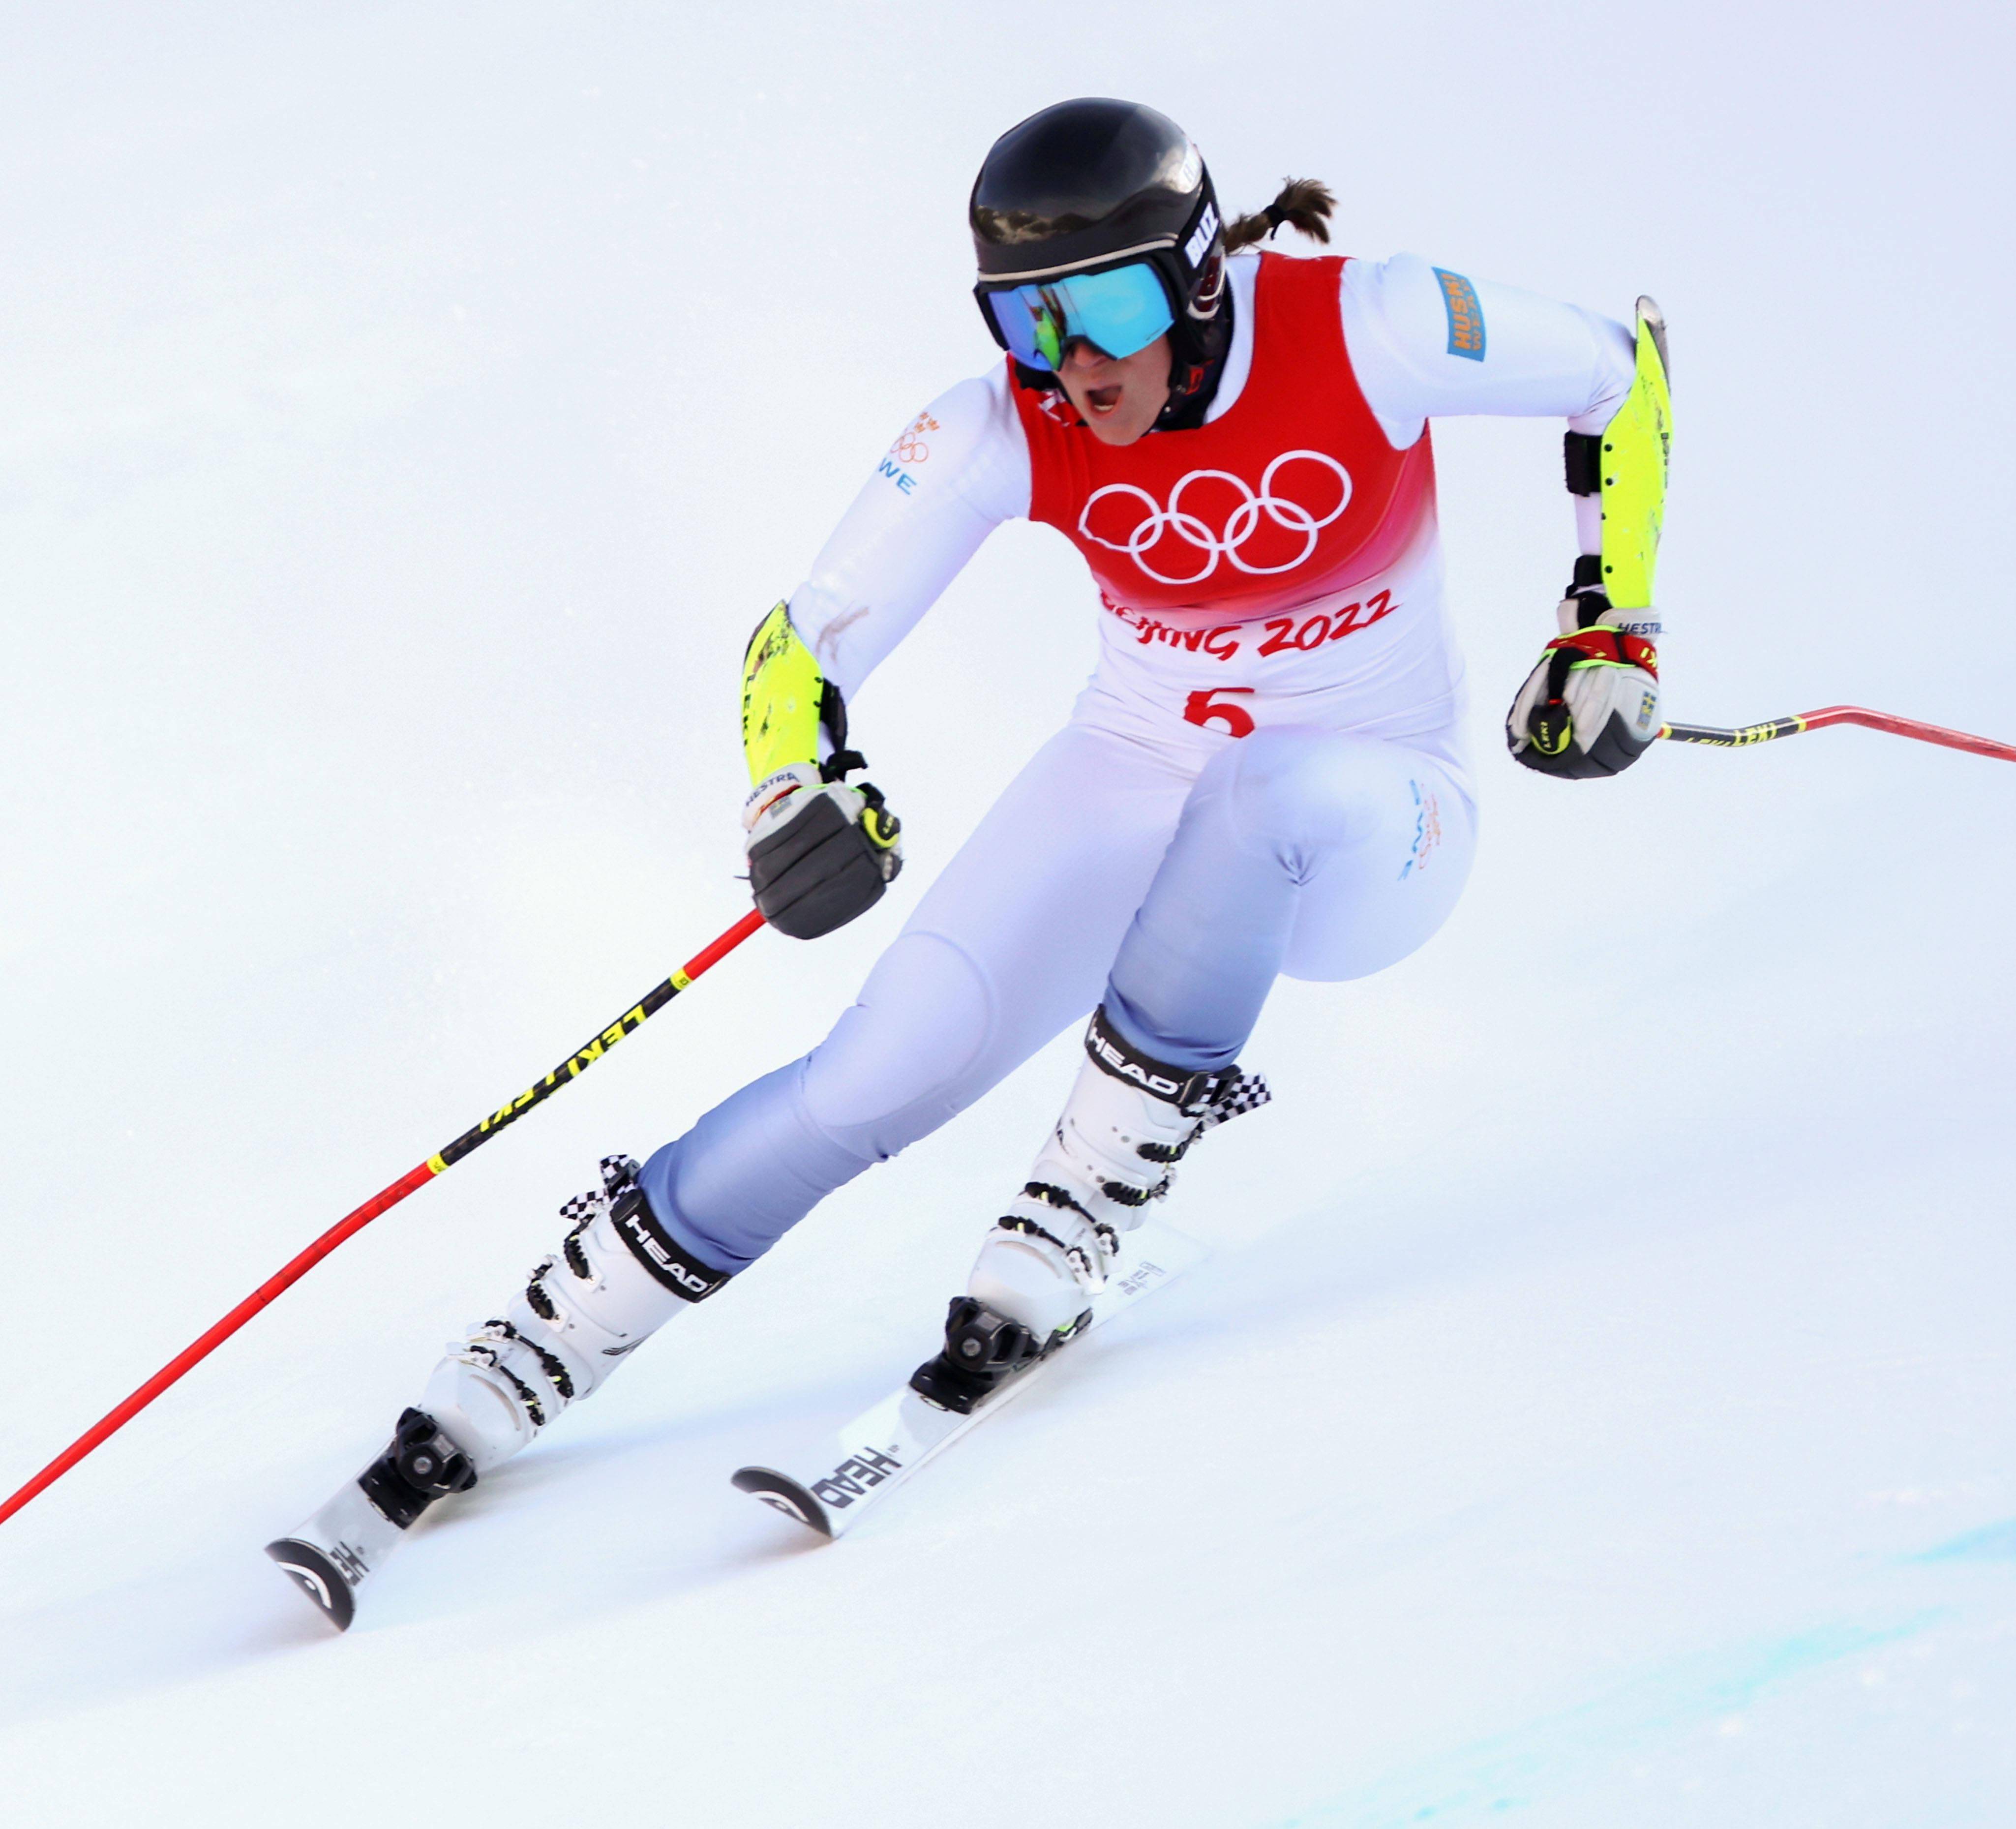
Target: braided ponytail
1303 203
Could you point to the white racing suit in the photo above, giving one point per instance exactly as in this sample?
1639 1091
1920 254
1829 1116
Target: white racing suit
1264 778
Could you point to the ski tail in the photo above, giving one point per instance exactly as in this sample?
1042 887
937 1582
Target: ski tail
886 1444
783 1493
319 1577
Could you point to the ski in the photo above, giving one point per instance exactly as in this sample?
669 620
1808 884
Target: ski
835 1487
330 1556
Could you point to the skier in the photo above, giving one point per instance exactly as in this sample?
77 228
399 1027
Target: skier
1264 777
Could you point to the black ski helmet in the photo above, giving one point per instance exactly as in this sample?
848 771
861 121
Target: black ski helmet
1096 183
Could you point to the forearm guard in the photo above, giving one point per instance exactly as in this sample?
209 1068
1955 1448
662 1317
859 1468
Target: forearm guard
1626 466
786 701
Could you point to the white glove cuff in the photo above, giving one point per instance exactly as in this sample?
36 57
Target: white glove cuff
1647 622
773 788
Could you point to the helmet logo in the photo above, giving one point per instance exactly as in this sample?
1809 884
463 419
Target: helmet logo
1258 530
1199 244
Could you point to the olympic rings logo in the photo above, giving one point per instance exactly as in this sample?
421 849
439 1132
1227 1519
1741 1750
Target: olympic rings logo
910 447
1240 525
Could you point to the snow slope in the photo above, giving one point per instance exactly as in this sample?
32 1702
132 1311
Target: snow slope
1599 1408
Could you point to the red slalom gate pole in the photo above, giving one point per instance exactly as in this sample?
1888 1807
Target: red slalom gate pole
1746 735
352 1223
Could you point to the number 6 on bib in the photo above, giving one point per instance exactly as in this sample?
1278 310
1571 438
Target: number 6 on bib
1202 708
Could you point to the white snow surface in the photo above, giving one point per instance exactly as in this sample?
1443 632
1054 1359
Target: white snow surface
1599 1408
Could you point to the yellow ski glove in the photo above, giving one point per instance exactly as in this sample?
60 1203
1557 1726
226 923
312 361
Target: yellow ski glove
1591 707
820 851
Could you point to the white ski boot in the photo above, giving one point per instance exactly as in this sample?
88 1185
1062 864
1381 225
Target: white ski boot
1127 1123
616 1279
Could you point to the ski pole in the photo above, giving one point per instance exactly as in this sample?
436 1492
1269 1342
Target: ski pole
473 1139
1747 734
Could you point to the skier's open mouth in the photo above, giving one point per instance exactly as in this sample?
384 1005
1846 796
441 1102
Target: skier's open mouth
1102 400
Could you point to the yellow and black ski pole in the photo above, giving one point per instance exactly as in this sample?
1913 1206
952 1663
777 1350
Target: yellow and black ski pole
571 1068
1746 735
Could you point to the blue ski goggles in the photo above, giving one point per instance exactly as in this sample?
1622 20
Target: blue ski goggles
1119 311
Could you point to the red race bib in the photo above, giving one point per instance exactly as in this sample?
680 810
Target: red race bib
1291 494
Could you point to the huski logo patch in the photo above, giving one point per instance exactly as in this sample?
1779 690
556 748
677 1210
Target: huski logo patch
1466 315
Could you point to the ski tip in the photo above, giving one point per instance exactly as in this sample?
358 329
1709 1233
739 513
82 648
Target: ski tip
784 1494
317 1577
